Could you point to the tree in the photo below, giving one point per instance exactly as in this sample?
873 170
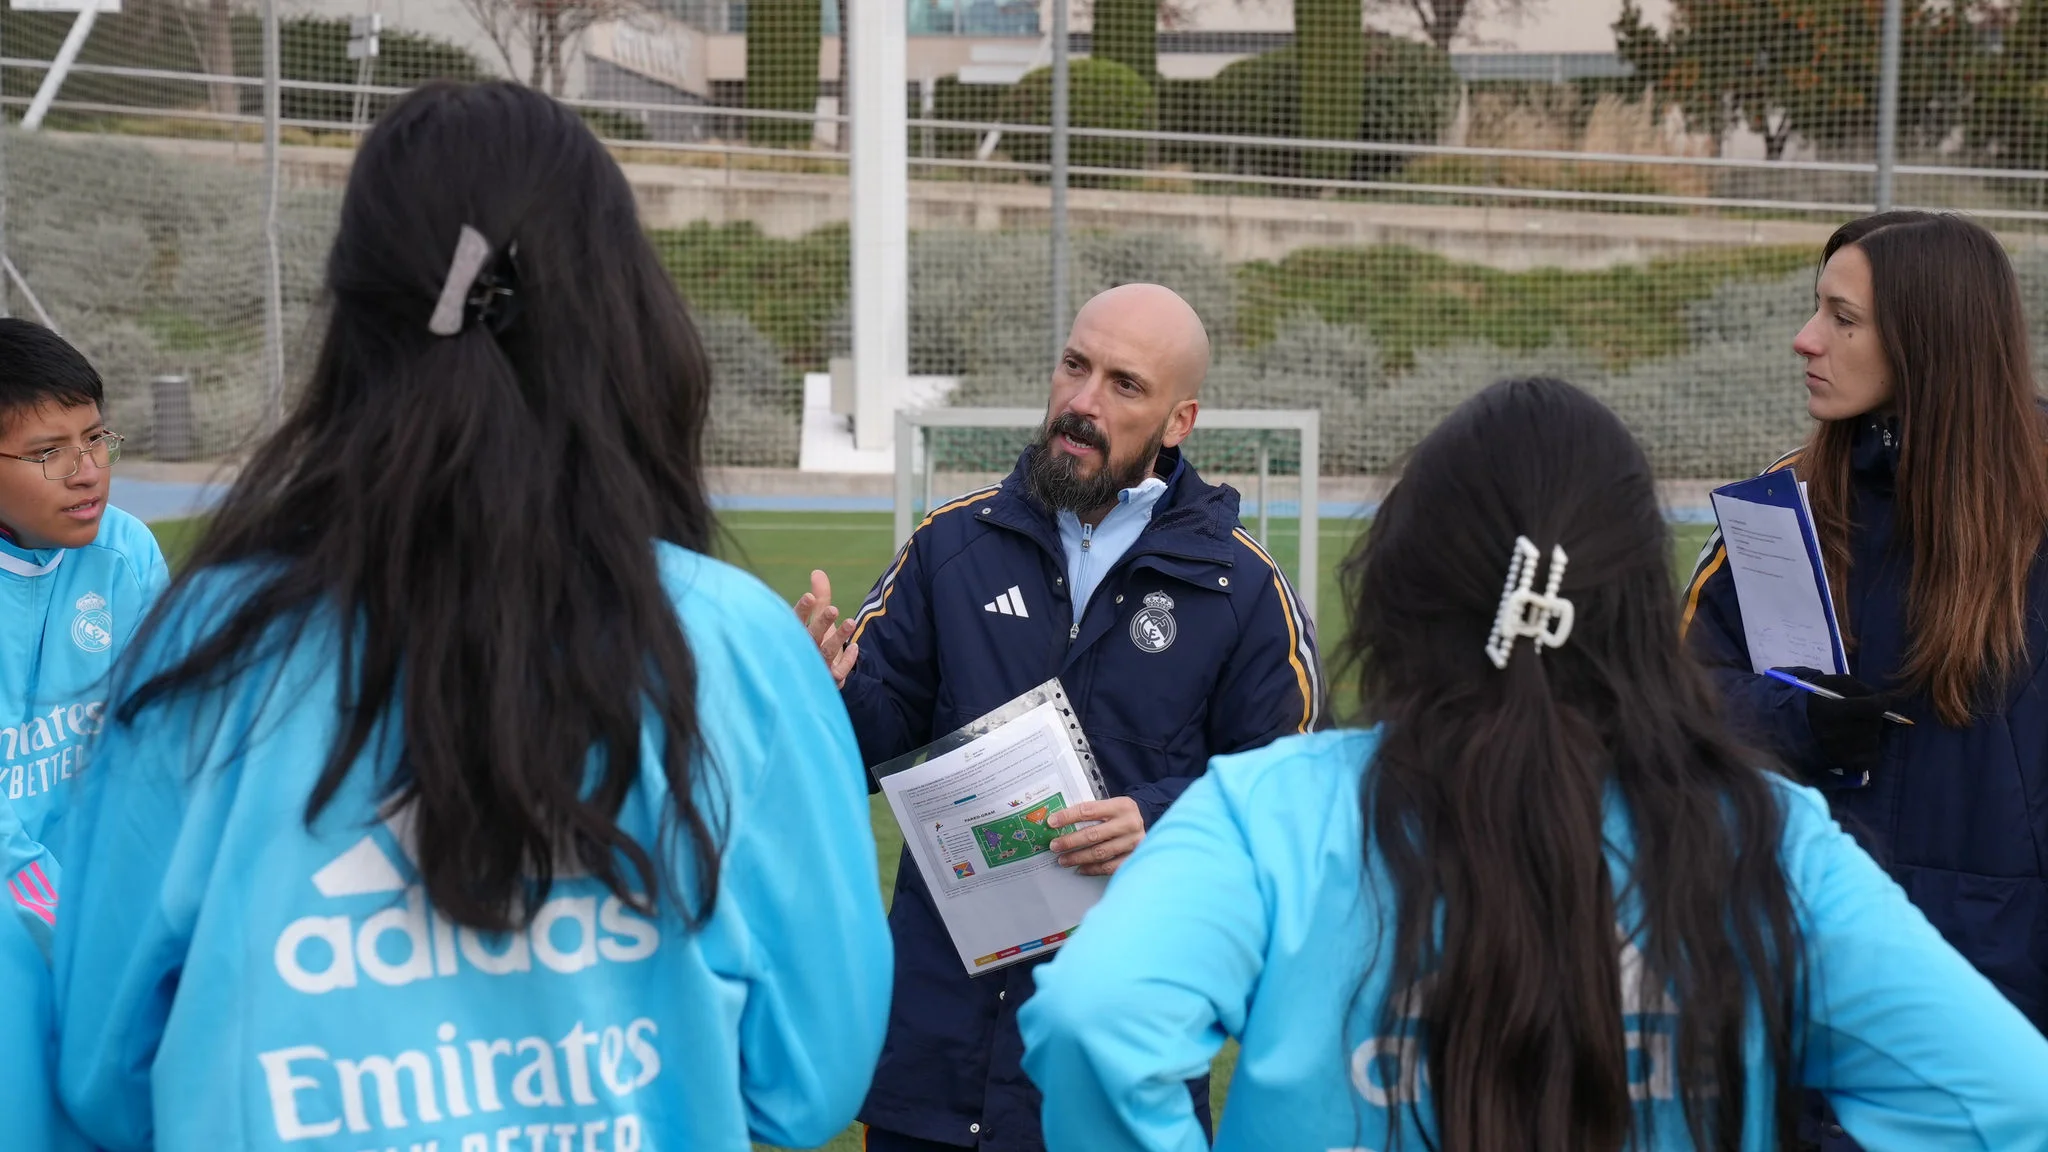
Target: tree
1443 20
2009 115
1329 36
1127 31
783 38
1798 67
844 136
1409 96
546 29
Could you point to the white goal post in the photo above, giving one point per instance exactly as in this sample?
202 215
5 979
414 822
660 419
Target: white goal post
913 437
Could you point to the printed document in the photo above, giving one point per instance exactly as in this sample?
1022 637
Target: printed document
978 823
1788 615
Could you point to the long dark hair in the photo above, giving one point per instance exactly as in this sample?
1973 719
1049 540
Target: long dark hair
1973 459
1485 798
478 511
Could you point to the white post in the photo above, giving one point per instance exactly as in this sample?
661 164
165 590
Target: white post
1057 179
1265 500
1311 520
67 55
273 296
877 55
906 484
1888 104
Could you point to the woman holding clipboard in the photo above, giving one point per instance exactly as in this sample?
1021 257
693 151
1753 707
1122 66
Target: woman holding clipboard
1928 478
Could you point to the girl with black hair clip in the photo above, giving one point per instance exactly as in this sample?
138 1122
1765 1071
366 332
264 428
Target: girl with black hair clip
455 797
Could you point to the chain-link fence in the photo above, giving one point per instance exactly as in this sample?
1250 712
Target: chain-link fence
1374 217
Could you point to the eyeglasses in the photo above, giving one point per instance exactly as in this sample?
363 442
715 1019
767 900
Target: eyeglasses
63 463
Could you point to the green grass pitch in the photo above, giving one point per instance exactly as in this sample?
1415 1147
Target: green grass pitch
853 548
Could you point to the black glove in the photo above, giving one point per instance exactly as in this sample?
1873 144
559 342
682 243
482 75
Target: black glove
1850 730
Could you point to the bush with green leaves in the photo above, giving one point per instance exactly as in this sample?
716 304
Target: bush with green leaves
315 49
756 400
1101 94
1409 95
168 36
1335 369
156 265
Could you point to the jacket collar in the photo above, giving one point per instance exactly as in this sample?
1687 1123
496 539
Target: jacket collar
1193 518
28 562
1874 453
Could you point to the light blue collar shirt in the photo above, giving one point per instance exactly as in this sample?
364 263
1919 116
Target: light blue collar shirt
1093 551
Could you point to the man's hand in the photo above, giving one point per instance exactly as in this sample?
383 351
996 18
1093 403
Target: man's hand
833 636
1102 849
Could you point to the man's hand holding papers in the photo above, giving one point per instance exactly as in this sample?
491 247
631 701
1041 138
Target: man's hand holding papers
1102 848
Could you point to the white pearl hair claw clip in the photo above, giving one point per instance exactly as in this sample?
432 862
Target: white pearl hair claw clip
1545 619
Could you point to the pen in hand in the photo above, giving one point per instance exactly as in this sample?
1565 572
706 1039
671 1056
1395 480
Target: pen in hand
1785 677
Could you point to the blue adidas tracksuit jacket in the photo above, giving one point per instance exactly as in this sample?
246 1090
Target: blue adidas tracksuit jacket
229 978
1959 816
30 1117
65 614
1253 913
1193 645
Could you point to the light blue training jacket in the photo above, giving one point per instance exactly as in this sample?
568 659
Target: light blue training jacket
65 614
1242 915
28 1049
227 978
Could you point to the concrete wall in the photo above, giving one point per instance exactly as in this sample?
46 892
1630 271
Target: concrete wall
1240 228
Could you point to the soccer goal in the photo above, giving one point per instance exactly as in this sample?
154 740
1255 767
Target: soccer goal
1267 454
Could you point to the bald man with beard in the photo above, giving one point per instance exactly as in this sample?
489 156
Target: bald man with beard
1105 561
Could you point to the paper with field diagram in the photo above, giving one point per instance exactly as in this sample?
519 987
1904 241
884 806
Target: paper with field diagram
977 818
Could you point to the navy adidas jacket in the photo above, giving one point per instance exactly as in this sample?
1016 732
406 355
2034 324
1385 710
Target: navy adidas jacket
1958 816
973 612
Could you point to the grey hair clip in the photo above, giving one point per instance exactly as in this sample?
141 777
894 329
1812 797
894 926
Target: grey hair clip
472 252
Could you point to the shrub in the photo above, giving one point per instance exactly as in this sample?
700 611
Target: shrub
782 69
788 289
610 124
1101 94
756 400
311 48
1410 94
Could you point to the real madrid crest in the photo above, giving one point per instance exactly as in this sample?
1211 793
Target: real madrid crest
93 628
1153 629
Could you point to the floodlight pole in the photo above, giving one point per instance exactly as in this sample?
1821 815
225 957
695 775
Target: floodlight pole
879 166
1060 314
1888 103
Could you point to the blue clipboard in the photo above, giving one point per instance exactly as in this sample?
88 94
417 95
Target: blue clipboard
1780 489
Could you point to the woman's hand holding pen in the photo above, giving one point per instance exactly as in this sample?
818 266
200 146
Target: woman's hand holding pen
1847 718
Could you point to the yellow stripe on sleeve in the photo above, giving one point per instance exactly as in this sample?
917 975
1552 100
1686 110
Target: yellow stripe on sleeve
1720 558
881 607
1692 596
1294 634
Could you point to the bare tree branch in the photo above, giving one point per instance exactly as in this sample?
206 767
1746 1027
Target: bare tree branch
1446 22
499 20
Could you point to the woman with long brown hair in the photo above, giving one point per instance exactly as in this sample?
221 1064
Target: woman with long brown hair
1546 904
1928 476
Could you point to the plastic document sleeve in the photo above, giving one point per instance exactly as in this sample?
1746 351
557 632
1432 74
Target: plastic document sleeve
975 807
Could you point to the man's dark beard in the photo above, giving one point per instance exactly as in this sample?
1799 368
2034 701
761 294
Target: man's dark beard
1053 477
